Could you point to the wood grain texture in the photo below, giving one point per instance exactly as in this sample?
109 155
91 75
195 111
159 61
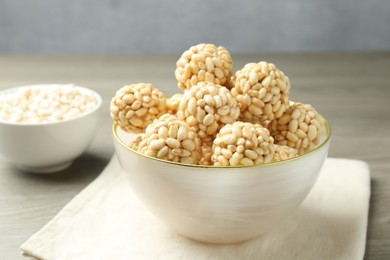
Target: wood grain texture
351 90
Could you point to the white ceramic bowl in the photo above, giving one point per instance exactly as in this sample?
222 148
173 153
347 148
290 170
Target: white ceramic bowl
48 147
220 204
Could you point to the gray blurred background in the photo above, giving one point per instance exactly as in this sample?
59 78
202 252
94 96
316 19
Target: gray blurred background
171 26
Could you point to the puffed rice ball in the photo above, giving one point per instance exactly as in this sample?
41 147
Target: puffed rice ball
135 106
170 139
262 92
206 155
207 107
300 127
173 103
283 152
135 143
242 143
204 63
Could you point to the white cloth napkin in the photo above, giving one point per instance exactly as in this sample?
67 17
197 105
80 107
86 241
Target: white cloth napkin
107 221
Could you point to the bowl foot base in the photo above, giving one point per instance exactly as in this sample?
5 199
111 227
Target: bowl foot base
45 169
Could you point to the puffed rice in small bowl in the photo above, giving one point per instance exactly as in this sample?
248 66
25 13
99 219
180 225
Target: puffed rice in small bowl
222 204
43 128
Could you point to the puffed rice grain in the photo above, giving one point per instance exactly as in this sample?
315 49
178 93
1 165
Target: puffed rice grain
173 103
283 152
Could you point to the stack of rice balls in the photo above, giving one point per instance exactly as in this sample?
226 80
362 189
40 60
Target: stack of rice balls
218 119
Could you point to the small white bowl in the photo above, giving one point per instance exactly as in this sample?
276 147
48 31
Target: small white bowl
220 204
48 147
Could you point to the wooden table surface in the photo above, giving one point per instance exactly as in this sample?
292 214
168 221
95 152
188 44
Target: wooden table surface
351 90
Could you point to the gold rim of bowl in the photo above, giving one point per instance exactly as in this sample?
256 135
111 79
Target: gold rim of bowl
328 135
